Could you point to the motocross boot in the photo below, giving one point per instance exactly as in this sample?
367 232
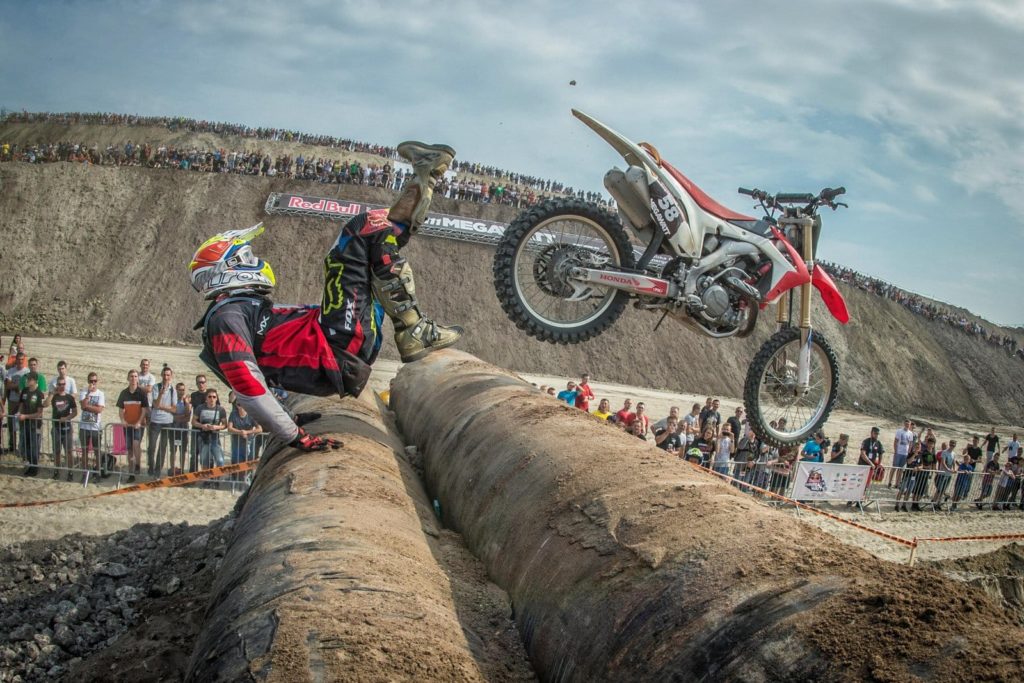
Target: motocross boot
429 162
415 335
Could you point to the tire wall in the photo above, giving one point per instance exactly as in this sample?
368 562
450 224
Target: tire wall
623 564
329 574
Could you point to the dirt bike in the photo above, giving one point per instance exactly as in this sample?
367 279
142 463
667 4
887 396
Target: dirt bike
564 270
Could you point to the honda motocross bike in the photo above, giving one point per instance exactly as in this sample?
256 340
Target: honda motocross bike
565 269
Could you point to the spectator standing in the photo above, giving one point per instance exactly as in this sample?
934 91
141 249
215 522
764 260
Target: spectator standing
691 425
180 427
62 374
1011 470
945 465
210 419
146 381
991 443
584 395
603 409
244 431
625 416
13 385
663 422
1012 449
568 395
164 402
133 406
962 485
91 401
33 366
736 421
871 451
705 444
838 454
723 450
197 399
992 469
909 481
928 464
811 451
64 409
16 346
747 448
973 450
30 420
667 437
710 416
641 417
901 444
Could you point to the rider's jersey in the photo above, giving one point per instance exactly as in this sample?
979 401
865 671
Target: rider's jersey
252 345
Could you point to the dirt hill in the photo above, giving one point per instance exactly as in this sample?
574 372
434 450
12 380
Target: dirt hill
102 252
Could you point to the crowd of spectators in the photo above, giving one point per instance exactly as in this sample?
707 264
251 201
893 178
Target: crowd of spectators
922 473
183 430
920 306
466 182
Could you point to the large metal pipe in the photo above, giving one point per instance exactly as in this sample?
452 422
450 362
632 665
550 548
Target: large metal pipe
625 564
328 575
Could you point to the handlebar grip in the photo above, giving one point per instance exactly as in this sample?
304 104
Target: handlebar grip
828 194
794 198
745 191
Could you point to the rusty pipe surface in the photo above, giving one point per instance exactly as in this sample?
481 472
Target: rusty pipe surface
328 575
624 563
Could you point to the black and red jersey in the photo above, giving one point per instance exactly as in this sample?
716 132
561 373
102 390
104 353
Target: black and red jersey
252 344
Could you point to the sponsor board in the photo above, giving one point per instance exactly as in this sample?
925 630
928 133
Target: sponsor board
824 481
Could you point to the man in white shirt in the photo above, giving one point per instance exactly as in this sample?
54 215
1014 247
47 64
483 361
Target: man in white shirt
91 402
901 445
1013 448
62 375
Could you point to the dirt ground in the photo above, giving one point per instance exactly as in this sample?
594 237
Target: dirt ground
199 507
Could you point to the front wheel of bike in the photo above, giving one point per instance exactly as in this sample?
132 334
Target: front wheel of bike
780 411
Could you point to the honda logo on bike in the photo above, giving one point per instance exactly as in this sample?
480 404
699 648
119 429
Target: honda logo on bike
638 284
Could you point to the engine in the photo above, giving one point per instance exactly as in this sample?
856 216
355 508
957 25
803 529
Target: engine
715 294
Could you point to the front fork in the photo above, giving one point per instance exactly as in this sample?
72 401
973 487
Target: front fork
783 313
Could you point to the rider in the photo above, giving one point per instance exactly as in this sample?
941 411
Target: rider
253 344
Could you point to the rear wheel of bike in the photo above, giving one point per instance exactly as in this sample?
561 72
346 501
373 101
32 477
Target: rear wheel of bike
535 257
772 394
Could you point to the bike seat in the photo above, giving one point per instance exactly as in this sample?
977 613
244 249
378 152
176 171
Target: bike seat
703 200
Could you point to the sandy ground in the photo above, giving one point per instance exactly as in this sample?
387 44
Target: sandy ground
112 361
99 516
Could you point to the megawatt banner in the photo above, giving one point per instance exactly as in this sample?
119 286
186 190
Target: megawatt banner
823 481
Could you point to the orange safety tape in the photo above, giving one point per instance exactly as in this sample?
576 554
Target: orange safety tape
804 506
1000 537
166 482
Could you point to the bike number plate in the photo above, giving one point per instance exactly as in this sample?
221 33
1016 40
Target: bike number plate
666 210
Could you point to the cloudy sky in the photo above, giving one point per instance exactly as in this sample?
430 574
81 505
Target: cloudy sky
916 106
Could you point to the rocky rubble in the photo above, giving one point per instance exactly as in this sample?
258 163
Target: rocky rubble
71 604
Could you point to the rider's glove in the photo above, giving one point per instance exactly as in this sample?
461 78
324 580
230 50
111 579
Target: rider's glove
306 418
310 442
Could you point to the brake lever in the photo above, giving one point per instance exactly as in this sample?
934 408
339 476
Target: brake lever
836 205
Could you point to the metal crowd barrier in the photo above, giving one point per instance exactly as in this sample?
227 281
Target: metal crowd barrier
917 489
73 451
935 490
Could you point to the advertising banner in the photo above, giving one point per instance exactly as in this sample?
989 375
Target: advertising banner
822 481
479 229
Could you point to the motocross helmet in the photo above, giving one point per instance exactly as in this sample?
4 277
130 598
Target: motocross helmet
225 263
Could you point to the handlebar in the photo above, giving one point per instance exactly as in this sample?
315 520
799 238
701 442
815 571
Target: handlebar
825 197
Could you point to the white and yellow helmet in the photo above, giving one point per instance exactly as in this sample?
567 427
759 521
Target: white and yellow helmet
225 263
